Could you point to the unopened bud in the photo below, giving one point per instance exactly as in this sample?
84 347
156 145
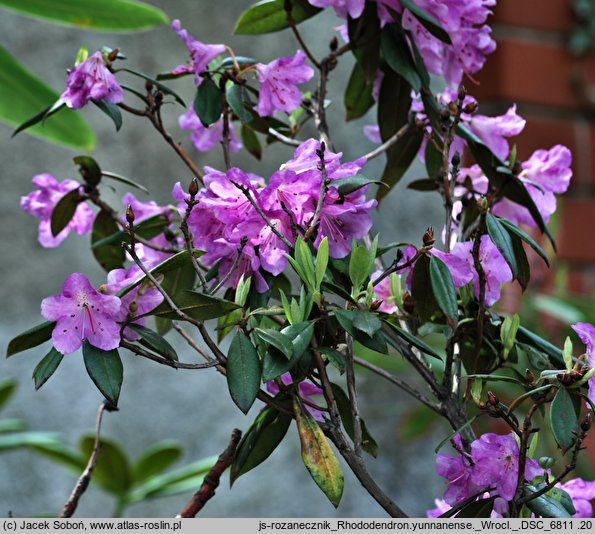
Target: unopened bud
113 55
129 215
586 423
529 376
334 44
148 86
492 399
462 93
133 306
159 97
399 256
375 304
193 188
445 114
456 159
546 462
453 107
470 108
428 237
482 204
408 304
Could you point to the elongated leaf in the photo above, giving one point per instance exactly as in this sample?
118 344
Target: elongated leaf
424 301
148 229
111 255
364 34
112 471
503 241
431 24
107 15
443 288
270 16
155 460
7 388
366 322
318 457
196 305
526 336
258 443
523 273
398 56
358 94
277 340
31 338
208 104
64 211
46 367
526 238
412 340
563 420
368 442
250 141
546 505
239 102
162 87
124 180
105 369
89 169
352 183
244 370
480 508
154 341
25 100
424 184
112 111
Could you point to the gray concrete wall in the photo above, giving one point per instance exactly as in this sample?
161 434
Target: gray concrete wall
159 403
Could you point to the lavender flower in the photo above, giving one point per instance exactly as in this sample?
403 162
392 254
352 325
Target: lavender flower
457 471
586 332
278 84
382 290
91 80
581 492
82 313
353 8
306 390
142 210
200 54
204 139
42 202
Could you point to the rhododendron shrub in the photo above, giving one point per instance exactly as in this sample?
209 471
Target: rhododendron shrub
287 266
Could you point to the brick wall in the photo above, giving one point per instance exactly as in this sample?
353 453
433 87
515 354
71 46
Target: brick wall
533 68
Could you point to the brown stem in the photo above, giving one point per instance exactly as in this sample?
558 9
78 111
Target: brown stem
323 185
292 24
164 361
352 392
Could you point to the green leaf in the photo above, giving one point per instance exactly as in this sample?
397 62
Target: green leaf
359 266
111 110
422 292
107 15
207 103
545 505
366 322
503 241
364 34
46 367
300 335
430 23
111 255
443 288
563 420
336 358
398 56
532 339
196 305
344 406
347 318
155 460
23 95
239 102
250 141
270 16
227 323
7 389
412 340
322 256
148 229
258 443
112 471
433 158
480 508
523 274
124 180
154 341
162 87
276 339
424 184
244 370
348 185
358 94
30 338
526 238
318 457
105 369
64 211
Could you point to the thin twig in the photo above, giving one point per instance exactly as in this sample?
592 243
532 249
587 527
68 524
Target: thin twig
323 185
381 149
164 361
225 132
232 269
211 480
83 482
283 138
292 24
353 402
191 341
188 238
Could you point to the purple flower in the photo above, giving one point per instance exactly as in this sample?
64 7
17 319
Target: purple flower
91 80
41 203
204 139
457 472
200 54
81 312
372 132
278 84
382 290
305 390
546 172
353 8
493 131
441 508
496 464
581 492
142 210
586 332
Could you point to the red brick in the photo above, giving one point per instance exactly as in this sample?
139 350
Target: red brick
554 15
577 239
538 73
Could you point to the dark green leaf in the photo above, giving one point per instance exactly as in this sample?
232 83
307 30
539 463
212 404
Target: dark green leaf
563 420
348 185
277 340
559 495
275 363
523 274
242 62
258 443
105 369
270 16
163 88
412 340
424 184
368 442
89 169
364 35
207 103
300 335
528 337
244 371
148 229
124 180
112 111
433 158
155 460
398 56
337 290
154 341
526 238
7 389
23 95
347 318
46 367
108 15
424 300
112 471
336 358
366 322
163 326
31 338
239 102
250 141
226 323
480 508
111 255
503 241
196 305
358 94
64 211
443 288
430 23
545 505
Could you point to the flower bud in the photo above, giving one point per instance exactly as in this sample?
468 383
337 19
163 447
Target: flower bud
456 159
462 93
129 215
586 423
133 307
408 304
445 114
470 108
453 107
193 188
529 376
428 237
333 45
492 399
546 462
148 86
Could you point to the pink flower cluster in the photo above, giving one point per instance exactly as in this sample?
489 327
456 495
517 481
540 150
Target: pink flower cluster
226 224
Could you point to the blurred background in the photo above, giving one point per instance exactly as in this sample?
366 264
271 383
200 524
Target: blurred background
533 66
